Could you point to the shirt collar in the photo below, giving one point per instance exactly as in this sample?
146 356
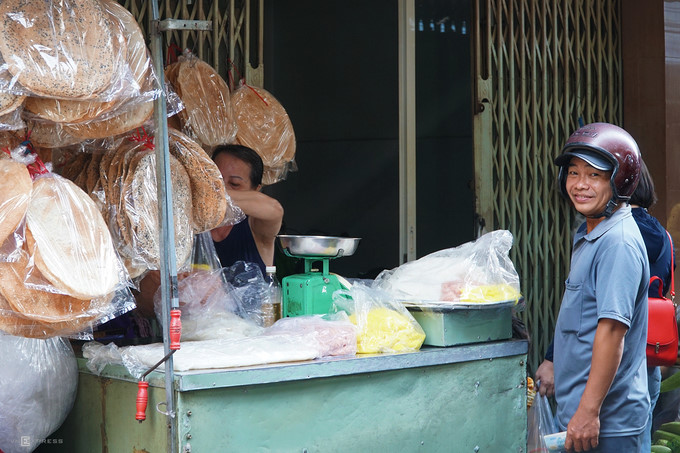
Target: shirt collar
607 224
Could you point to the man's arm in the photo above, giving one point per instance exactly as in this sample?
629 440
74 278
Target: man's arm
584 427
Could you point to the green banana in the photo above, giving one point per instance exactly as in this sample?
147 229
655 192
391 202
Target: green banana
671 427
661 434
661 449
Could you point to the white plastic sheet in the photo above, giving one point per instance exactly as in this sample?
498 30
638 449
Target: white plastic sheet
38 382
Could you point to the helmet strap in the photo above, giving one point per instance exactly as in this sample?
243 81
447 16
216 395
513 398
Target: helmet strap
608 210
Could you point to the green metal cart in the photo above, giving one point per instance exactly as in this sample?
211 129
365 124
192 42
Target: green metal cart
469 398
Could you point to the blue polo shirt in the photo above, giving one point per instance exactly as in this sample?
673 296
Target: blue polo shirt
609 277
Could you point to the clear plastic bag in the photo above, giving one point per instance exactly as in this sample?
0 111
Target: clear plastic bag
541 422
207 116
11 120
40 36
222 353
264 126
39 382
136 210
248 287
203 254
335 335
69 241
59 272
475 272
16 186
211 204
210 308
383 324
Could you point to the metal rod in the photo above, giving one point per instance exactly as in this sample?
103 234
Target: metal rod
157 364
177 24
407 132
168 266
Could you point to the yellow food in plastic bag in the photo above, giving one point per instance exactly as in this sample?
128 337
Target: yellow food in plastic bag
387 330
489 293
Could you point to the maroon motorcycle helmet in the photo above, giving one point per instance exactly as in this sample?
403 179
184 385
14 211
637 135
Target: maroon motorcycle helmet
606 147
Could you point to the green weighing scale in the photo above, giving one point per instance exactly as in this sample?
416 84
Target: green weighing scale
312 292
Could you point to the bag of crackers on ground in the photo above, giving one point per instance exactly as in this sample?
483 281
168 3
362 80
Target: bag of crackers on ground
383 324
63 275
39 382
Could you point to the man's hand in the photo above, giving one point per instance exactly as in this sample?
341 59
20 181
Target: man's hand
546 374
582 431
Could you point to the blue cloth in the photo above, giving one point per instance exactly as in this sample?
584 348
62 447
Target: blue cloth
654 386
622 444
239 246
609 278
659 249
660 253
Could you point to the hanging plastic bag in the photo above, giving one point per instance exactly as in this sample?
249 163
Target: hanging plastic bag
263 125
203 254
541 423
208 114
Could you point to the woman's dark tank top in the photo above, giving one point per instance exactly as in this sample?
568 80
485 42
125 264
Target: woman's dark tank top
239 246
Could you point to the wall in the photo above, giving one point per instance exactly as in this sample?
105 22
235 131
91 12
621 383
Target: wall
334 67
651 56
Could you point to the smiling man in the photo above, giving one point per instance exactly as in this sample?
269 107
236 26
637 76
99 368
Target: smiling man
599 356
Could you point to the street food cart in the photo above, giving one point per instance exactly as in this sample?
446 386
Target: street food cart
462 398
454 394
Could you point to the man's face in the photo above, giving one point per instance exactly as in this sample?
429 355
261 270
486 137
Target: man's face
588 188
235 172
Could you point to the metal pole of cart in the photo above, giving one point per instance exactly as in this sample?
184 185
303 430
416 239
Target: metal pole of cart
168 265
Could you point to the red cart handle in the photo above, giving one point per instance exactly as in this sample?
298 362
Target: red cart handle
175 329
142 399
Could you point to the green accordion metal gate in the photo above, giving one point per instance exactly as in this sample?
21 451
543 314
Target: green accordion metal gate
235 42
540 67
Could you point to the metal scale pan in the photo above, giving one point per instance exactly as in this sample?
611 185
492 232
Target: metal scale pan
318 246
312 292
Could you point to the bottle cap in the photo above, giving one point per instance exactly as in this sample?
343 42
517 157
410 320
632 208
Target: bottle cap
270 269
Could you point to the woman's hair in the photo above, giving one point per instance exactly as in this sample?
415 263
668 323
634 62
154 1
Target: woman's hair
644 194
248 156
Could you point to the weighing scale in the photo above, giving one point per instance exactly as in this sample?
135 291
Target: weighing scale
312 292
